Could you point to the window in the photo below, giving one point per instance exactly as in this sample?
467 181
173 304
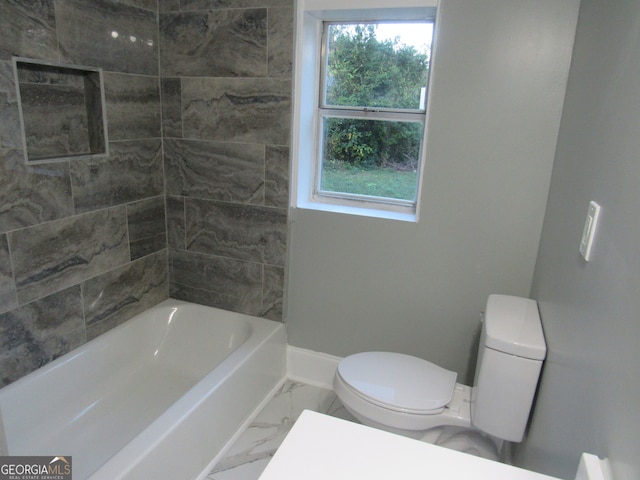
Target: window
360 129
372 110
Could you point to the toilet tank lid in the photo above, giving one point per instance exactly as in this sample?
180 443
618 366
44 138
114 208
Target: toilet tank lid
513 326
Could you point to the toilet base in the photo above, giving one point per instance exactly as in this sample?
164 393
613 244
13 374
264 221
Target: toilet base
450 429
462 439
465 440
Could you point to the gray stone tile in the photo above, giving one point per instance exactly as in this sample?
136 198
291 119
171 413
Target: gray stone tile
281 43
30 195
133 171
28 29
244 232
171 107
37 333
42 74
221 171
209 4
168 5
276 189
148 4
214 43
62 111
53 256
10 130
216 281
8 297
95 112
147 227
133 106
237 109
108 33
116 296
272 293
55 120
175 222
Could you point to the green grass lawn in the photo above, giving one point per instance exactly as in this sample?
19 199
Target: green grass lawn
381 182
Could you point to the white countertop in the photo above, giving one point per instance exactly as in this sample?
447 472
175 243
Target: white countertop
323 447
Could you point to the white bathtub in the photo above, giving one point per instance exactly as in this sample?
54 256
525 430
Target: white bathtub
155 398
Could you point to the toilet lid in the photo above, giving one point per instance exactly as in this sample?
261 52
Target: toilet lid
398 381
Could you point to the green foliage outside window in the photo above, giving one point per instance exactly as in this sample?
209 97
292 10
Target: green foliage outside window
363 71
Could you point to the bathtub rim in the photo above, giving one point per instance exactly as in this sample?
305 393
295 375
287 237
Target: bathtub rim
59 361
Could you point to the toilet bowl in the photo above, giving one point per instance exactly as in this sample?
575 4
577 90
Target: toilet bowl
413 397
398 392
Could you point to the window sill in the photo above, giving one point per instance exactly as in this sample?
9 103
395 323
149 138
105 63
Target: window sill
360 211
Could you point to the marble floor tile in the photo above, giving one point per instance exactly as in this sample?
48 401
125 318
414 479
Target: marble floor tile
250 454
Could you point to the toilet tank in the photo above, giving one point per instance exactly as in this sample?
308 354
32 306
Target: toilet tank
510 356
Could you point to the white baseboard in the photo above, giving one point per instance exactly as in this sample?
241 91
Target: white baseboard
313 368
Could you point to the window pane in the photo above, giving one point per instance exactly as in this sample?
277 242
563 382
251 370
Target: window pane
378 65
371 157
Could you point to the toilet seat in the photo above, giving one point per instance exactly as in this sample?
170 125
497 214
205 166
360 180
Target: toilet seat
398 382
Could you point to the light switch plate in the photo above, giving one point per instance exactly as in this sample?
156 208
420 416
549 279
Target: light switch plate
589 231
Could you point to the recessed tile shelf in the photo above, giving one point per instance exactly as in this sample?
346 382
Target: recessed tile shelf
61 110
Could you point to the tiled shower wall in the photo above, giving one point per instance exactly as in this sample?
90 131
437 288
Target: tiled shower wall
226 87
83 242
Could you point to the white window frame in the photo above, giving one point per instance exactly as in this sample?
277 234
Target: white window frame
307 114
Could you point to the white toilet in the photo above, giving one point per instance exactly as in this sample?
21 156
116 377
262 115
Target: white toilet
415 398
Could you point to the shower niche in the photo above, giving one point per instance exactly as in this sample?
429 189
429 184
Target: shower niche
62 110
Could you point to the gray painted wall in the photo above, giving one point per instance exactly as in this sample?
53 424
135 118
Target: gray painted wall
498 83
589 393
